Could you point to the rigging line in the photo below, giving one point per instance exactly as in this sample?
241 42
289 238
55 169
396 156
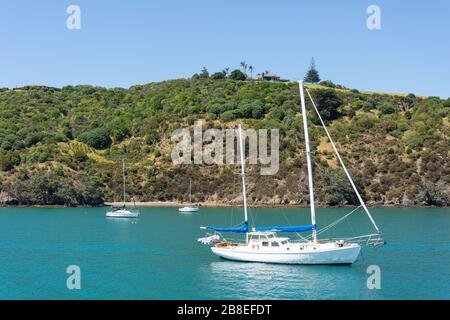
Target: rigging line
351 227
337 221
301 237
343 165
331 225
283 212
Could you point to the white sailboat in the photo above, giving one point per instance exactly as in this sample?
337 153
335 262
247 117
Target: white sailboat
264 245
122 212
189 208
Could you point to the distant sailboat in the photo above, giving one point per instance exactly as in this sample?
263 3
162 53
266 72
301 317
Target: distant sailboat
122 212
189 208
264 245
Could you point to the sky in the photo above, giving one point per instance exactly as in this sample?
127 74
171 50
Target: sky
124 43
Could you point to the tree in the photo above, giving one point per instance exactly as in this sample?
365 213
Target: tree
152 136
45 187
8 160
337 189
250 68
204 74
226 72
328 103
90 191
119 130
387 108
218 76
312 76
97 138
237 75
447 103
328 83
244 67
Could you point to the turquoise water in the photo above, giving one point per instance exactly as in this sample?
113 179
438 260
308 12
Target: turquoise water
157 256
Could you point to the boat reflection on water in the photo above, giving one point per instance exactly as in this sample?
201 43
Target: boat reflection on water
275 281
123 220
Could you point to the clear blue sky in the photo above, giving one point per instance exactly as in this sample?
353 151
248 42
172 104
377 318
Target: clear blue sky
122 43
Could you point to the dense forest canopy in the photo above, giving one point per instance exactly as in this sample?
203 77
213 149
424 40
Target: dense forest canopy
62 145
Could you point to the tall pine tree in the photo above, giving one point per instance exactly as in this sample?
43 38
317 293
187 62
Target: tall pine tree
312 76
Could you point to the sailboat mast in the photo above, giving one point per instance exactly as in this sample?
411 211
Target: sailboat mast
123 174
343 165
190 190
308 161
244 193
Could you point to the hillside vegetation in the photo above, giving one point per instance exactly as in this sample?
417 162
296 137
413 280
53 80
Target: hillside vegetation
62 146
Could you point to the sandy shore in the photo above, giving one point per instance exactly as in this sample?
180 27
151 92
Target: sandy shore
167 204
150 204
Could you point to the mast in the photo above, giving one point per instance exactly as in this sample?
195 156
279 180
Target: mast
190 190
308 161
244 193
343 165
123 174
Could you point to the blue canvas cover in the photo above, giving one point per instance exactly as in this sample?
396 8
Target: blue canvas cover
243 228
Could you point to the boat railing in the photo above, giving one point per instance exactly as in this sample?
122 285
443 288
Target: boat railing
374 239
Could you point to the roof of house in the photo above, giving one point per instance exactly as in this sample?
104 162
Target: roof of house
269 74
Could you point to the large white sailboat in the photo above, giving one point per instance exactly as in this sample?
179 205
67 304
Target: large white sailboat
190 208
122 212
262 244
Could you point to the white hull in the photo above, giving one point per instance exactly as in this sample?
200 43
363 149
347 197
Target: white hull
327 253
188 209
122 214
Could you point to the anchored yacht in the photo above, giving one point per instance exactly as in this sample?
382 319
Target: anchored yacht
262 244
189 209
122 212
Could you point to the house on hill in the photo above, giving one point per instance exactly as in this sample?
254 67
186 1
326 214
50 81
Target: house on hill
269 76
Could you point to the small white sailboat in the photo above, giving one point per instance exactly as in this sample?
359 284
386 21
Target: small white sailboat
122 212
189 208
264 245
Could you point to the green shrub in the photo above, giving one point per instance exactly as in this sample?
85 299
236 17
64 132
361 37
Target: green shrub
387 108
328 104
237 75
96 138
218 76
228 115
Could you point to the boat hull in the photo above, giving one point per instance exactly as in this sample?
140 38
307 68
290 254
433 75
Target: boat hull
341 255
122 214
188 209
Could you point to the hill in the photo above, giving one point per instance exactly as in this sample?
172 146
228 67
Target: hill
62 146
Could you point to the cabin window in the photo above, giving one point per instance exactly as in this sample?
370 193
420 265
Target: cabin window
265 244
284 241
275 244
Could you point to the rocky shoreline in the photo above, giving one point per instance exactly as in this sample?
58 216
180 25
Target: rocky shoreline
217 204
153 204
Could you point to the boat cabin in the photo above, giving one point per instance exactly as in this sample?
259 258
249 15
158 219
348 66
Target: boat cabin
266 239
